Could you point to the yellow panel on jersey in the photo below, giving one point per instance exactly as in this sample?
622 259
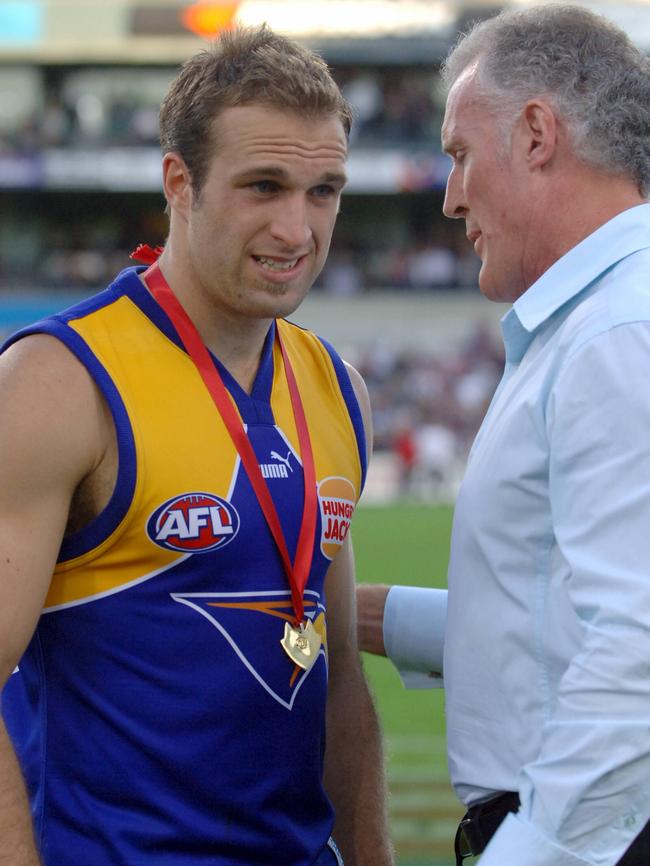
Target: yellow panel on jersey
180 445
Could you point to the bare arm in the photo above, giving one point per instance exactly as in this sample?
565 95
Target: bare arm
371 598
18 847
371 602
49 440
354 761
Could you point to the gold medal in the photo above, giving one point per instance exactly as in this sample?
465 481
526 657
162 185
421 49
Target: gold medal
301 644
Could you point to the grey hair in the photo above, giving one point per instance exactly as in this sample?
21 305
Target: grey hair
598 81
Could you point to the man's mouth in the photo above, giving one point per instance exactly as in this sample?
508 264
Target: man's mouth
474 237
277 264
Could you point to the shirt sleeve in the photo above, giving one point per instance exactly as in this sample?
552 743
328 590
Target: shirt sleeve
414 634
586 796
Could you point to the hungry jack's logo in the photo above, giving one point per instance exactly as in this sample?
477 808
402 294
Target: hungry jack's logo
337 499
193 523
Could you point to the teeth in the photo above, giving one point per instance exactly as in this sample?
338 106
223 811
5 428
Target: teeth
276 266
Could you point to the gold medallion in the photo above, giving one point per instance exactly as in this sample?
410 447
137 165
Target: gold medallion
301 644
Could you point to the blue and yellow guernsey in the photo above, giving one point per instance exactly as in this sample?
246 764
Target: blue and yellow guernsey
156 716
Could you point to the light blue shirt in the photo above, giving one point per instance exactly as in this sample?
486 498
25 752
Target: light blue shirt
547 646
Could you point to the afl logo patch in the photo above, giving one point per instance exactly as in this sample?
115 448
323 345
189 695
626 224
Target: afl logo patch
193 523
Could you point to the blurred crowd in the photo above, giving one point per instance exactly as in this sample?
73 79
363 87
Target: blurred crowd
118 107
393 106
428 405
435 263
79 107
68 266
81 244
77 244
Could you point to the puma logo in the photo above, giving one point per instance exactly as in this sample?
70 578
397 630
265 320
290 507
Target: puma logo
281 469
285 460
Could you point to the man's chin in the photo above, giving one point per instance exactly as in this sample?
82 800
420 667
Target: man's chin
501 294
278 300
488 288
485 284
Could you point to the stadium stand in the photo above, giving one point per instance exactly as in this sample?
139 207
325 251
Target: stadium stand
79 186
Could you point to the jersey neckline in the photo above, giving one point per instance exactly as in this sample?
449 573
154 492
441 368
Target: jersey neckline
128 282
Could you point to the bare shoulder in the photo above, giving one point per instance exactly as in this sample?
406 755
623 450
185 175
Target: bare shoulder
50 402
361 391
358 382
52 434
39 358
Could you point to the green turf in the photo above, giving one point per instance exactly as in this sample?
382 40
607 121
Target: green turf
409 543
402 543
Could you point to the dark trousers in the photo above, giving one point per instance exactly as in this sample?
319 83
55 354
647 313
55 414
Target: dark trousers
638 854
482 821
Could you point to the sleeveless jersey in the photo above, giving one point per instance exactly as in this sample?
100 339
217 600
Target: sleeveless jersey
156 717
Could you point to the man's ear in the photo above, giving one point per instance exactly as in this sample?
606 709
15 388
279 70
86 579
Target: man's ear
177 183
541 132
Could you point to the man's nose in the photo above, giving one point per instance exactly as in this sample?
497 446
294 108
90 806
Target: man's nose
454 204
291 223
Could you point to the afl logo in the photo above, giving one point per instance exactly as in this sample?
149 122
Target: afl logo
193 523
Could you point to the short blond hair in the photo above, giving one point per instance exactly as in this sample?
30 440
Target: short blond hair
243 66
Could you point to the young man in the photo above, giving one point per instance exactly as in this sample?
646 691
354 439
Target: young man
179 468
548 624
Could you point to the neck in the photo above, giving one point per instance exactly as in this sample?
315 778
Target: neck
574 210
240 354
237 341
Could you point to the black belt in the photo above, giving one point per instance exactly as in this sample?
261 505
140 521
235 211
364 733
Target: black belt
481 823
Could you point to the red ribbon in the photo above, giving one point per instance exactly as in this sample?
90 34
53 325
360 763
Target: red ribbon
145 254
298 571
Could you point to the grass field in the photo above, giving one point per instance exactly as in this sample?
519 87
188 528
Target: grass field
408 543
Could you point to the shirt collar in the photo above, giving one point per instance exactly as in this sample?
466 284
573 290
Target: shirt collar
621 236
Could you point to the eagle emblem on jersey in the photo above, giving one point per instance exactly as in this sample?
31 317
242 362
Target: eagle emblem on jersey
253 624
193 523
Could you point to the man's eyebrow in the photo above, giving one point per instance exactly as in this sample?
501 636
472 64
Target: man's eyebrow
278 173
449 140
447 145
265 170
338 177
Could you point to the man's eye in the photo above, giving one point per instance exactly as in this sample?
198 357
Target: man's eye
323 190
265 186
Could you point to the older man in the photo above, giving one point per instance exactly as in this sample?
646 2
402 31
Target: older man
547 645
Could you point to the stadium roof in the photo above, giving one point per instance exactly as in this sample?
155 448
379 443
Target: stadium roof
415 19
346 31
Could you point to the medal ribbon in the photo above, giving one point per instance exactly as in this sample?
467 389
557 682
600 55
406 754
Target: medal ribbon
298 571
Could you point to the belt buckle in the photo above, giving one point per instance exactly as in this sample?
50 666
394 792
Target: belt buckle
468 839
